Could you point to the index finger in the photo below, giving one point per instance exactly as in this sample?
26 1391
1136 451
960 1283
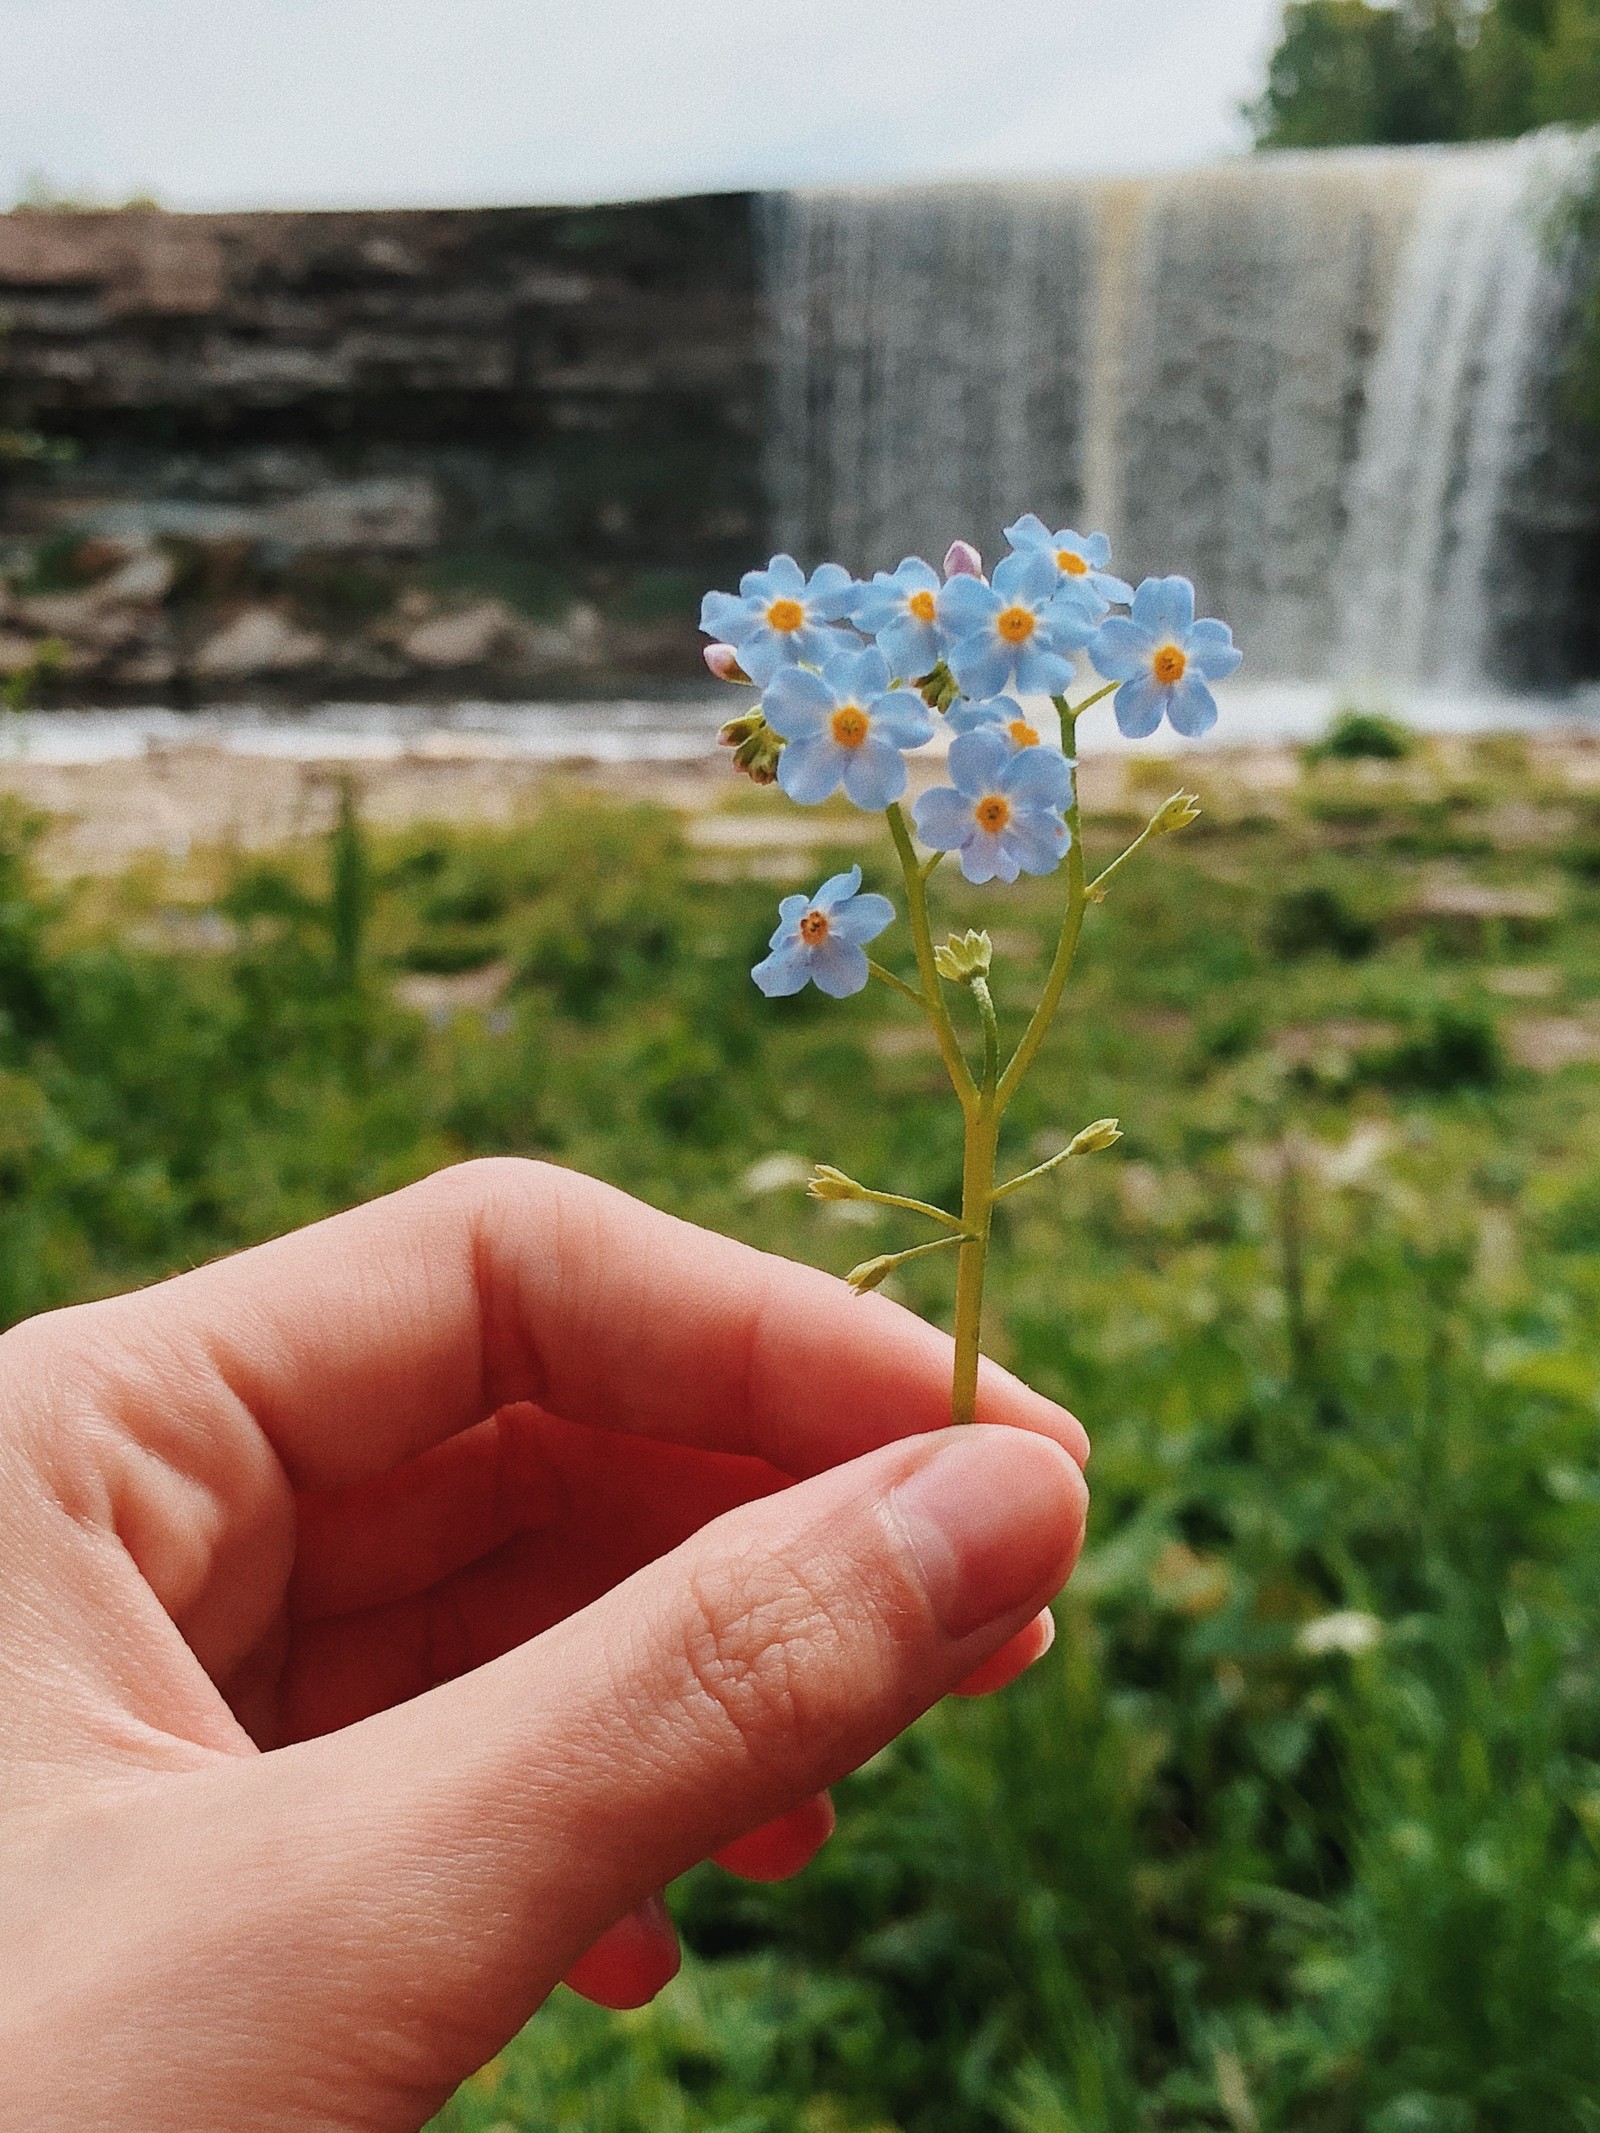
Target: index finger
360 1341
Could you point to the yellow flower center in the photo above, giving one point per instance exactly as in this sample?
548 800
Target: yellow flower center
814 928
1169 665
993 812
850 725
1023 734
1015 624
785 615
921 605
1069 560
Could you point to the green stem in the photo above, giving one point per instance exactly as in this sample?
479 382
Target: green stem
977 1201
1055 983
912 1207
922 938
1026 1177
1087 704
1097 888
887 977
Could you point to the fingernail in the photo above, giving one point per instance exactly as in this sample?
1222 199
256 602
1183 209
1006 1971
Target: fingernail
994 1520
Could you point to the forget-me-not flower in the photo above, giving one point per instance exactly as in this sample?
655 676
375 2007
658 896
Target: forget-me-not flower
1164 658
1080 557
820 939
1022 625
1002 810
845 726
779 616
900 608
1002 715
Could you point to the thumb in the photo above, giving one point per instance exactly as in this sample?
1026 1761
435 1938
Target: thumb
462 1850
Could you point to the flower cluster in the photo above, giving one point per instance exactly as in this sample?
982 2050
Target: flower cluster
854 678
855 675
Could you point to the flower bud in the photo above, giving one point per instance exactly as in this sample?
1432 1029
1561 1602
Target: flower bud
1174 814
938 688
962 560
871 1272
756 748
723 661
1093 1138
963 957
826 1183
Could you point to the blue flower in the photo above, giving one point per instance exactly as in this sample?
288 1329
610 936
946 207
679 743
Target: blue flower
1002 811
1164 658
819 939
1080 557
845 726
1002 715
1022 624
780 616
901 610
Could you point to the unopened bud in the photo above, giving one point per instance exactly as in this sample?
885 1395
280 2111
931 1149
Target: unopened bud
756 748
963 957
826 1183
1175 814
723 661
962 560
872 1272
938 688
1093 1138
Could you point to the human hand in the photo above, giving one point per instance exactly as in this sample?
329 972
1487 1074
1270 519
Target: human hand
388 1613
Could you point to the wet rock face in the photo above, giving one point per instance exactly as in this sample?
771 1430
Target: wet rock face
428 447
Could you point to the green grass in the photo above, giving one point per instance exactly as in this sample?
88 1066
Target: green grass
1299 1825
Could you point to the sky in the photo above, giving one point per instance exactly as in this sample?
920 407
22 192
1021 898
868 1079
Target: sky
334 103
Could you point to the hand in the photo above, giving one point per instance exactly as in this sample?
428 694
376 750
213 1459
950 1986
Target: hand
388 1613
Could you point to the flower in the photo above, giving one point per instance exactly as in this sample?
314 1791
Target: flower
1003 810
901 610
1081 558
1002 715
779 615
1164 658
1022 624
820 939
962 560
723 661
845 726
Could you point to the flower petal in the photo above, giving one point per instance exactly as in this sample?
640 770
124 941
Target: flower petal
785 971
796 704
912 648
900 717
793 909
1029 576
967 604
1192 708
726 617
979 761
874 774
984 857
1042 672
1139 705
942 817
810 770
834 890
1164 606
831 593
1121 649
1110 588
981 664
965 716
1038 777
1212 651
863 918
1029 531
838 968
1038 841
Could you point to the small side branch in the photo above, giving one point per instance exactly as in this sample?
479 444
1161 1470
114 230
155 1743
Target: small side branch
871 1272
1100 1135
887 977
830 1184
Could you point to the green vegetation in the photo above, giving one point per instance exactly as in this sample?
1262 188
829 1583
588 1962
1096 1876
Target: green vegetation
1298 1827
1346 71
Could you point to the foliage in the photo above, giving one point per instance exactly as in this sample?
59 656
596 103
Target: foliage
1299 1825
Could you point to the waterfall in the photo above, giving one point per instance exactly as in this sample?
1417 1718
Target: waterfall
1308 381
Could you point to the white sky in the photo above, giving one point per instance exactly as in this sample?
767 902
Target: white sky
255 103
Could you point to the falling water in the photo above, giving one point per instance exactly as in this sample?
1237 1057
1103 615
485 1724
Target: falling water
1305 380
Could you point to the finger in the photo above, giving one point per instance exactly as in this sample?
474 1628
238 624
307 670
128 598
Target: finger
782 1846
1025 1648
402 1533
631 1961
503 1822
356 1343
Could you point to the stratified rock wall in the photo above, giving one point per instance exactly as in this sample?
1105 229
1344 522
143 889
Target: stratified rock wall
363 450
